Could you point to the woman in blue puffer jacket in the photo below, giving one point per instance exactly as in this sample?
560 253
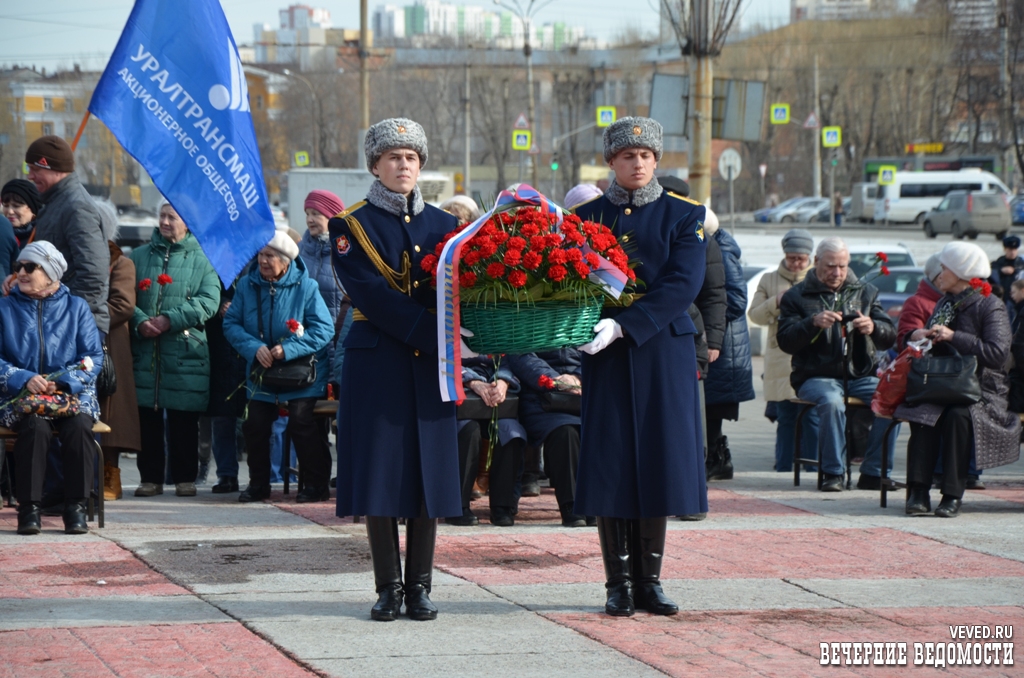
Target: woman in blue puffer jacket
315 250
295 322
49 345
730 377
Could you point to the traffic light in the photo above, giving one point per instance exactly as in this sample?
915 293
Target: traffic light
554 162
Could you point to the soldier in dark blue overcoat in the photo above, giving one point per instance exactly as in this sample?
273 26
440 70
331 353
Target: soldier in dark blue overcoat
397 441
642 457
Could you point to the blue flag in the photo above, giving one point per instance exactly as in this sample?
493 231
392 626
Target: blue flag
174 95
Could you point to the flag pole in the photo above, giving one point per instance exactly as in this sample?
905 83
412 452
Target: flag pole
81 128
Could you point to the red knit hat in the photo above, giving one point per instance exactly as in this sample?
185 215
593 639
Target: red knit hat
324 202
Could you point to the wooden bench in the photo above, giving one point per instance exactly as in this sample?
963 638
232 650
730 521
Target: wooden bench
799 459
94 505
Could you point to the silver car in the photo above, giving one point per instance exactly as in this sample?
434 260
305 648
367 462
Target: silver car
968 213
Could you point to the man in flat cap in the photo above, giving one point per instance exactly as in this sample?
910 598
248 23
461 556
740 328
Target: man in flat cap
397 444
1008 268
70 221
642 453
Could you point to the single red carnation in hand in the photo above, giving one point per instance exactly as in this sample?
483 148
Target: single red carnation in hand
517 279
293 325
882 256
513 258
531 260
516 243
557 273
582 269
496 270
429 263
986 289
467 279
885 270
145 284
546 382
164 279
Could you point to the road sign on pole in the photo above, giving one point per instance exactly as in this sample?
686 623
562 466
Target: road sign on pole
534 150
887 175
606 115
522 139
522 122
812 122
763 169
730 159
301 158
832 137
780 114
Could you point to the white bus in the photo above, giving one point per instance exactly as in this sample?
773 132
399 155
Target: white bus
914 193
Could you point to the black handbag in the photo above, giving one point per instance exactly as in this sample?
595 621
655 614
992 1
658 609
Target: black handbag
106 381
561 402
947 380
282 376
473 408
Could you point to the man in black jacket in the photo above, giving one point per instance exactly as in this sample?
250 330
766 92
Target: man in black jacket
820 318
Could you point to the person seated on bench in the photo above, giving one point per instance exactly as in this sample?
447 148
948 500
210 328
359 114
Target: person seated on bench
811 320
50 356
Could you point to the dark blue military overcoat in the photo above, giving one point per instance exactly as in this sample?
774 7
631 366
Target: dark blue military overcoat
642 451
397 441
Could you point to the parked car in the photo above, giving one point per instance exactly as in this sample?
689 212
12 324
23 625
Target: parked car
808 211
1017 210
862 257
912 194
862 202
969 213
786 212
824 216
894 289
764 215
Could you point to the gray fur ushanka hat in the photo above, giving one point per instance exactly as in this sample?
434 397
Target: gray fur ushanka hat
632 132
394 133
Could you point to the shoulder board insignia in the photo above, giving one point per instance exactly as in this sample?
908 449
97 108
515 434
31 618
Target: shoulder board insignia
699 231
683 197
585 202
350 210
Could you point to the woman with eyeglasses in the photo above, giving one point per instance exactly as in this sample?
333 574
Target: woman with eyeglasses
50 355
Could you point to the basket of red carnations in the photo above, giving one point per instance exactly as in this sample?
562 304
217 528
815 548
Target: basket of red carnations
529 282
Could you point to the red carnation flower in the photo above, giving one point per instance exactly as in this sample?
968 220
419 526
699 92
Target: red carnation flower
517 279
630 274
538 242
516 243
438 248
472 258
496 270
164 279
574 255
531 260
593 260
546 382
557 256
882 256
885 270
501 237
529 230
293 325
554 240
429 263
582 269
145 284
488 248
557 273
467 279
513 258
986 289
590 228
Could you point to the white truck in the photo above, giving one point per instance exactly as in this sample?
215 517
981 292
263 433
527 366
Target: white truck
351 185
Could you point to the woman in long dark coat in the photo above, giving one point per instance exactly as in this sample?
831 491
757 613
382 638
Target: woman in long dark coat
642 449
397 440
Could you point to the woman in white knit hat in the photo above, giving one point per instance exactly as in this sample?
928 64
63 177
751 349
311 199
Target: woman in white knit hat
974 324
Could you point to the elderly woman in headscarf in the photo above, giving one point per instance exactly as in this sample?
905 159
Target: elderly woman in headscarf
278 315
968 322
462 207
50 354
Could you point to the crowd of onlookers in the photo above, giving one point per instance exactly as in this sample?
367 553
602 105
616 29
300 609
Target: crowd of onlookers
179 366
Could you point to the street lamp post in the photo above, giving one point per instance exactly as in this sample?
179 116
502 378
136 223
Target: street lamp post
312 113
526 18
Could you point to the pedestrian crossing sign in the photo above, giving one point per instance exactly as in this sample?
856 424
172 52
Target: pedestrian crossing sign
831 137
605 115
780 114
522 139
887 175
301 159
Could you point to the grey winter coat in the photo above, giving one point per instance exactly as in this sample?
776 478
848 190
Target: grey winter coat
316 255
981 328
70 221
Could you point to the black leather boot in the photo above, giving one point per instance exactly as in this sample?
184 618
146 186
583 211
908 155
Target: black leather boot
382 534
918 501
719 463
649 540
29 518
614 537
74 517
420 534
949 507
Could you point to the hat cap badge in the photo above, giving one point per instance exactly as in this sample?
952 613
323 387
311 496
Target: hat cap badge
42 163
401 129
637 131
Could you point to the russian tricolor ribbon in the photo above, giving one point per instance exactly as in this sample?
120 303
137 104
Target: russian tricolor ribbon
449 354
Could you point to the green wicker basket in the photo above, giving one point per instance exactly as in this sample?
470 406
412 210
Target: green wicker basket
507 327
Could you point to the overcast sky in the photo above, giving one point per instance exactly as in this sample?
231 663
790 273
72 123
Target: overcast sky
57 33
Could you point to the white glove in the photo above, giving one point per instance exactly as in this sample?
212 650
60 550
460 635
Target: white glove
606 331
467 352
